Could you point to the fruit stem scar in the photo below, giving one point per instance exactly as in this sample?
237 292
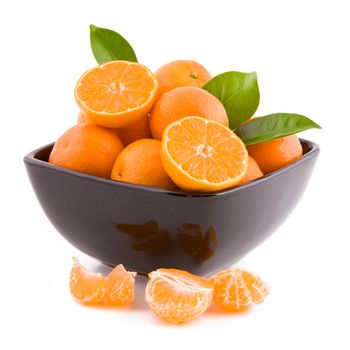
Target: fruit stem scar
193 75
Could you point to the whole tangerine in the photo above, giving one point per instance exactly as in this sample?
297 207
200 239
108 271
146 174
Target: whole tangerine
89 148
183 102
140 163
275 154
127 134
181 73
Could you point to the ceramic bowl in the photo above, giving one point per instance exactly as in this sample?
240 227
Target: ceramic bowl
145 228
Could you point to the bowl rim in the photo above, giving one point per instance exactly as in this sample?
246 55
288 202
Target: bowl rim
30 159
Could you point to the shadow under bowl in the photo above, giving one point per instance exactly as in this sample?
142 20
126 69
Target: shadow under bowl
146 228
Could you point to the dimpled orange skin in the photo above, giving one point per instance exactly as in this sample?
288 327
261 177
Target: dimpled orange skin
181 73
182 102
90 149
237 290
128 134
275 154
137 131
253 172
140 163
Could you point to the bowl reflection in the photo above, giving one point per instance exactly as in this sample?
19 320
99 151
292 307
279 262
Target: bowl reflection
196 242
191 239
146 237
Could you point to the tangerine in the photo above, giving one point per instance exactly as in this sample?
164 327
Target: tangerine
182 102
275 154
89 148
181 73
237 290
203 155
117 93
140 163
178 296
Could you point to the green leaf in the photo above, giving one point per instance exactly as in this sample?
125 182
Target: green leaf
273 126
108 45
239 93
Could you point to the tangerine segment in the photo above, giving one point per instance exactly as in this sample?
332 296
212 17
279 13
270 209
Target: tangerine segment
117 93
86 287
120 286
203 155
238 290
178 296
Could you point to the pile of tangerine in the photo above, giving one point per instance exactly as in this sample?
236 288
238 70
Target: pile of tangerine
174 295
162 130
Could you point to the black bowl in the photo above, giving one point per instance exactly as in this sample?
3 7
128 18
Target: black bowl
145 228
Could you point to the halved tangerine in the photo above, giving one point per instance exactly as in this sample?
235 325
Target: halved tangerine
203 155
117 93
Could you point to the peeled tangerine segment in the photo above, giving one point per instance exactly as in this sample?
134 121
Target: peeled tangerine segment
92 288
120 286
238 290
86 287
203 155
177 296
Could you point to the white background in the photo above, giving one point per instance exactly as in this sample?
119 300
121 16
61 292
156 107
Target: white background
300 51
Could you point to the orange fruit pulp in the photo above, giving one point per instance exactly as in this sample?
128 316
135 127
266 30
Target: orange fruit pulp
92 288
237 290
120 285
117 93
203 155
177 296
86 287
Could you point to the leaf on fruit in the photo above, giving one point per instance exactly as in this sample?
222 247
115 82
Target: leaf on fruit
273 126
238 92
108 45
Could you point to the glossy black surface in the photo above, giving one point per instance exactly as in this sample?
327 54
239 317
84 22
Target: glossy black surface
145 228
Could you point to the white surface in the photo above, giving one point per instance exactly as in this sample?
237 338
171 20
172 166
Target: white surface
300 51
